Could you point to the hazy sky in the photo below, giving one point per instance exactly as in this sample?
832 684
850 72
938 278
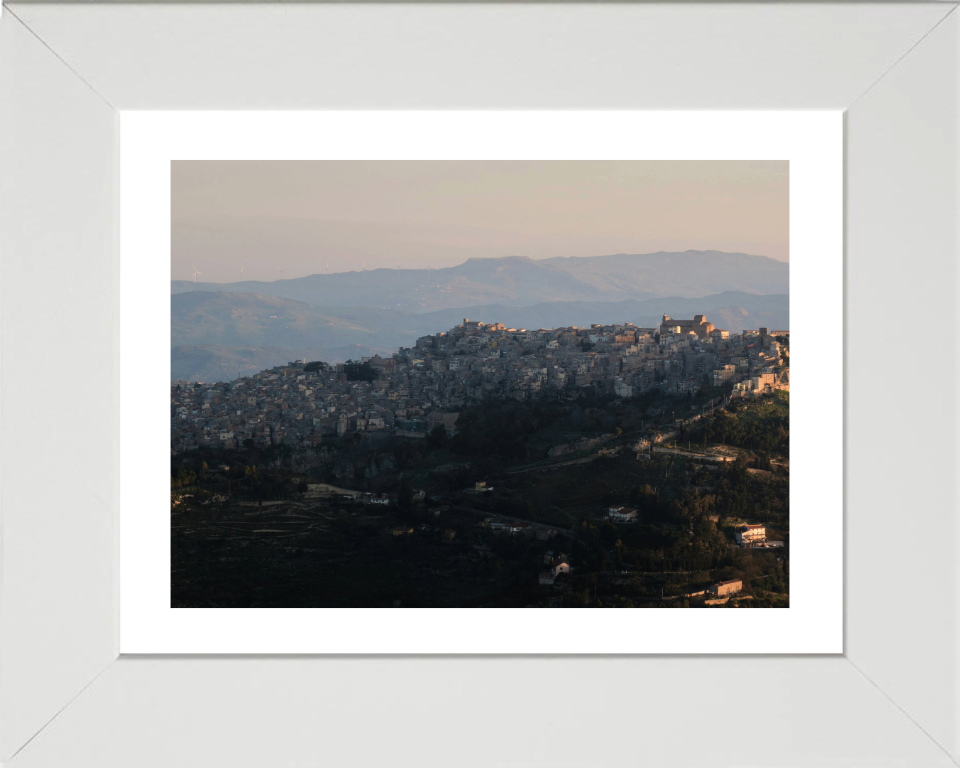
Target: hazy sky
305 217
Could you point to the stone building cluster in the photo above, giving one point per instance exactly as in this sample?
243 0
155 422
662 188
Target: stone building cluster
427 384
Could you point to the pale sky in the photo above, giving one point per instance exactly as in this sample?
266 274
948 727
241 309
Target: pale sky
308 217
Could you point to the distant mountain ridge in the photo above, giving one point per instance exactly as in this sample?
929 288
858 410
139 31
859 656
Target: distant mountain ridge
217 335
253 320
520 281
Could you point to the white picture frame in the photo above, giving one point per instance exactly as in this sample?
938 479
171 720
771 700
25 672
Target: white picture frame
66 71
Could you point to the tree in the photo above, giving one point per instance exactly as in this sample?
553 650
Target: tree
405 497
437 437
608 533
359 371
315 367
591 584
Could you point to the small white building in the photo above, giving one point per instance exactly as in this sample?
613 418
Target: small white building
724 374
726 587
622 514
748 535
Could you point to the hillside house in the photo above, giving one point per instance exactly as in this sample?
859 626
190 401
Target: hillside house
726 587
748 535
621 514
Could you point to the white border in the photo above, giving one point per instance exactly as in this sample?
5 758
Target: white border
811 141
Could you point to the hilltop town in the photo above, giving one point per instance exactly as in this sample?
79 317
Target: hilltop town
424 386
493 466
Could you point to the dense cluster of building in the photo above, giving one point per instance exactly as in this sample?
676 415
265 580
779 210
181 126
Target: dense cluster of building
425 385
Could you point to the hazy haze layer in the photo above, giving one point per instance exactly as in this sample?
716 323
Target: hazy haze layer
311 217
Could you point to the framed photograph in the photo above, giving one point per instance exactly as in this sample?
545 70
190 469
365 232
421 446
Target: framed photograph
311 312
666 494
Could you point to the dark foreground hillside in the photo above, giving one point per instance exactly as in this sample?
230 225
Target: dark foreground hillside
277 528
